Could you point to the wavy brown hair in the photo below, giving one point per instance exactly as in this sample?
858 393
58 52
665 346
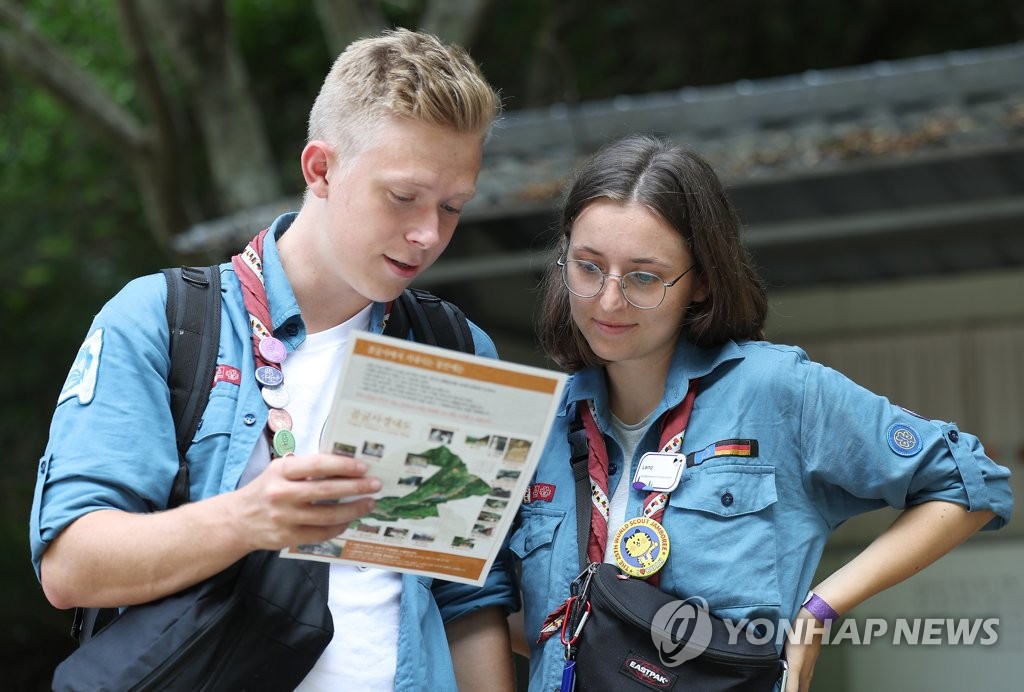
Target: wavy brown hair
682 188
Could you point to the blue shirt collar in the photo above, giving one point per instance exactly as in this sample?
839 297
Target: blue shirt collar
283 305
688 362
280 298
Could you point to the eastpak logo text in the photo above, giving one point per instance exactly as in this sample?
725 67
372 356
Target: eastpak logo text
646 672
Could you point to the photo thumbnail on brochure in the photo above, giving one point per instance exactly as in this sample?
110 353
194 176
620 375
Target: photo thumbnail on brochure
455 439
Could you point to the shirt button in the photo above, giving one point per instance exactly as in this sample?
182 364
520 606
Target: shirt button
727 499
250 419
291 329
953 436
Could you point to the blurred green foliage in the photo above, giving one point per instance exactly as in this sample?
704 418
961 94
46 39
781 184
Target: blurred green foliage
71 225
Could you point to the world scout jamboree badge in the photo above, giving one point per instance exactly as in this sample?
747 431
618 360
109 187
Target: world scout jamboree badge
640 547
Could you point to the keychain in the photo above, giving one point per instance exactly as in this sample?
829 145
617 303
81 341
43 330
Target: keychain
577 610
568 676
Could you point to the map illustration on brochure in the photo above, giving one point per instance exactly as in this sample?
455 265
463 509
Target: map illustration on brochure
454 438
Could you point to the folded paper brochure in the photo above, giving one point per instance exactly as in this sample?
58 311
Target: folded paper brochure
454 437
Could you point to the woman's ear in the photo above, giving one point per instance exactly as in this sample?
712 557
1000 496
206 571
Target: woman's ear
315 160
702 290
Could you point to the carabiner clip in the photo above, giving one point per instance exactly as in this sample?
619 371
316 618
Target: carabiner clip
579 626
566 618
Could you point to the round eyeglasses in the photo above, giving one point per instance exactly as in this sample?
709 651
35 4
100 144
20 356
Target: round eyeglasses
642 290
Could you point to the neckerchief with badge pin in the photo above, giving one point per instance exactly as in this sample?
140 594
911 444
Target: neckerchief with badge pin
641 545
269 351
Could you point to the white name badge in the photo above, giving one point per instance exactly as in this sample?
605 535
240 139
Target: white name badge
659 472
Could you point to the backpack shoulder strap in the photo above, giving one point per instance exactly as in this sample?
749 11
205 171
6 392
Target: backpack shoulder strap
433 321
193 320
579 457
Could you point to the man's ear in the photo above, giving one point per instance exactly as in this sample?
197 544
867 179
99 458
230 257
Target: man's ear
316 160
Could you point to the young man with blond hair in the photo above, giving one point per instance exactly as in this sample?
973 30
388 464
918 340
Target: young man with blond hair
395 144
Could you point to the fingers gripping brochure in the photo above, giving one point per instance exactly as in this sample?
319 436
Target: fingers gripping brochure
454 438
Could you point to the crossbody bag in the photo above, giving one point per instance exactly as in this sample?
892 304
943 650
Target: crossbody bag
622 634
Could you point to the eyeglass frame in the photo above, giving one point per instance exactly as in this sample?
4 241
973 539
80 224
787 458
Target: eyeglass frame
562 262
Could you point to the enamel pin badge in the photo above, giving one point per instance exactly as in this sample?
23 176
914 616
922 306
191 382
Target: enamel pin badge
640 547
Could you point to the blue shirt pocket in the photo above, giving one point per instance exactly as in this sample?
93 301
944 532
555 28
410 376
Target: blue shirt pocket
210 450
536 530
721 523
219 416
545 571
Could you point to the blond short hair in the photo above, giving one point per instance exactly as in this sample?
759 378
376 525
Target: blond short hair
402 73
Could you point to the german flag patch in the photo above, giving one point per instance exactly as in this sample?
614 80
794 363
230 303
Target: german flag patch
723 448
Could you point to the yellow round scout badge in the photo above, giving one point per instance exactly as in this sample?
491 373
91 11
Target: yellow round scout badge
640 547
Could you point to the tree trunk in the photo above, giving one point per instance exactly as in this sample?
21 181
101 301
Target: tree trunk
37 58
344 21
457 21
201 45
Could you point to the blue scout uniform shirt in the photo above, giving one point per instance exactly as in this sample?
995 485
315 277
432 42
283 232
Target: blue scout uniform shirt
112 441
747 532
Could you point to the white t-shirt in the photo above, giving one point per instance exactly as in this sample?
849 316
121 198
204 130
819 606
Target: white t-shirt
364 602
629 436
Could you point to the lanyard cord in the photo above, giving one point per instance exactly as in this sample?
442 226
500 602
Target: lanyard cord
673 429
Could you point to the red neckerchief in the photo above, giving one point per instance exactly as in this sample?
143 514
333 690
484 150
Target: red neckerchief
673 427
248 266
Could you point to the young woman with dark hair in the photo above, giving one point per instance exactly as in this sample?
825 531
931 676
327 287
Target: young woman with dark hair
652 303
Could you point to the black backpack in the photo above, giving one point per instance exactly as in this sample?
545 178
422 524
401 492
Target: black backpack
193 318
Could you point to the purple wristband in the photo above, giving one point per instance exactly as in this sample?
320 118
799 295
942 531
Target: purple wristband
817 607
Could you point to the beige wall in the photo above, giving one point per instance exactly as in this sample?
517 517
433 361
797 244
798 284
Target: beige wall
952 349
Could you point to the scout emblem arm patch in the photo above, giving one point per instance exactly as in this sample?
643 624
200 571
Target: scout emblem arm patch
903 440
81 381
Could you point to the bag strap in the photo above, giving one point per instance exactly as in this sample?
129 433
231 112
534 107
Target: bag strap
193 321
579 458
193 325
433 321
